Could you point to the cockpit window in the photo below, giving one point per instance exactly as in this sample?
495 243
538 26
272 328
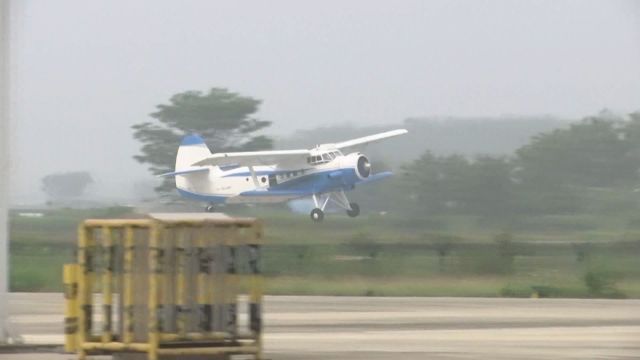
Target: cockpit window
323 158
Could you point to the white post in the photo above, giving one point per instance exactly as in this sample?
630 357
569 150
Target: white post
4 171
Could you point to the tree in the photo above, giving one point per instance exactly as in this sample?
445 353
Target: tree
223 118
481 185
64 186
434 181
592 152
630 134
490 189
558 170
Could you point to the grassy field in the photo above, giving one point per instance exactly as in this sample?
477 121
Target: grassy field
554 256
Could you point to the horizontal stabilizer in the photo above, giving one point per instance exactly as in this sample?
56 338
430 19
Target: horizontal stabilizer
186 171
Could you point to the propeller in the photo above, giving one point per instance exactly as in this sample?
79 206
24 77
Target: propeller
364 167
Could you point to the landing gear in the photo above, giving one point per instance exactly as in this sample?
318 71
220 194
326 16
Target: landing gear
210 208
317 215
337 197
355 210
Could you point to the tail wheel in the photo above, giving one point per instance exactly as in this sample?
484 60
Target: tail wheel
355 210
317 215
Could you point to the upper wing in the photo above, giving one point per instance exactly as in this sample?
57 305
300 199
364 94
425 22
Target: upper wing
254 158
370 138
284 157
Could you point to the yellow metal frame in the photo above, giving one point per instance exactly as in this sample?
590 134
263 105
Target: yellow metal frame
70 275
115 275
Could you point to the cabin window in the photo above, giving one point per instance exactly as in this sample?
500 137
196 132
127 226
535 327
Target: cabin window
326 157
273 180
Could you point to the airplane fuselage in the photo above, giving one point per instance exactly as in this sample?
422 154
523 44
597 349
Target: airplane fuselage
272 183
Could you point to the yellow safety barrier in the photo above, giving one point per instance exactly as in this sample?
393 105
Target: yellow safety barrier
172 284
70 273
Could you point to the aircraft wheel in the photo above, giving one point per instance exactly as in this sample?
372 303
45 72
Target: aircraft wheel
355 210
210 208
317 215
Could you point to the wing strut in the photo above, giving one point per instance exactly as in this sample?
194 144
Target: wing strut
254 177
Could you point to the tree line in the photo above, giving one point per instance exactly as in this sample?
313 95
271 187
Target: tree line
554 172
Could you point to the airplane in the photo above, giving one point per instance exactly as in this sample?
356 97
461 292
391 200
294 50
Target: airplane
324 173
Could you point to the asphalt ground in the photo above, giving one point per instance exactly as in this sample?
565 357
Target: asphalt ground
302 327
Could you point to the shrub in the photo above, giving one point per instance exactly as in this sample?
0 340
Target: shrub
511 290
545 291
601 283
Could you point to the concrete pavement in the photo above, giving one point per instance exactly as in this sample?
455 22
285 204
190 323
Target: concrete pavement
406 328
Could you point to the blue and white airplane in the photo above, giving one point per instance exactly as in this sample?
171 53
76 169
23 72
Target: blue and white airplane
324 173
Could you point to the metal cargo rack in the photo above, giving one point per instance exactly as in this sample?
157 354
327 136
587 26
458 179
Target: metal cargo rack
167 285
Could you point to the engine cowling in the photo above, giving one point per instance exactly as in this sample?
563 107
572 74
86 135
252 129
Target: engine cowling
363 167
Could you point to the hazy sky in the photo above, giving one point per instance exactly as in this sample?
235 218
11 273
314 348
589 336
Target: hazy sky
84 71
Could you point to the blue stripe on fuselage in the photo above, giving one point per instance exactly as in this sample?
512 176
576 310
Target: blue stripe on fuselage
306 185
322 181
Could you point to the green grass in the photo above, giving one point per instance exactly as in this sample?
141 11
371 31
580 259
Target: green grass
57 226
480 286
37 272
390 256
384 286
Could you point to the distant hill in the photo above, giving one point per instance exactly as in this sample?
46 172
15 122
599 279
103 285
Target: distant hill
441 135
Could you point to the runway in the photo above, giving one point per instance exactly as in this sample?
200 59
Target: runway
406 328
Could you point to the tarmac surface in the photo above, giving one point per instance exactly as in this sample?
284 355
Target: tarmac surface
404 328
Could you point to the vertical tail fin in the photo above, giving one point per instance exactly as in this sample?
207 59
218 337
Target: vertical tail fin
191 150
